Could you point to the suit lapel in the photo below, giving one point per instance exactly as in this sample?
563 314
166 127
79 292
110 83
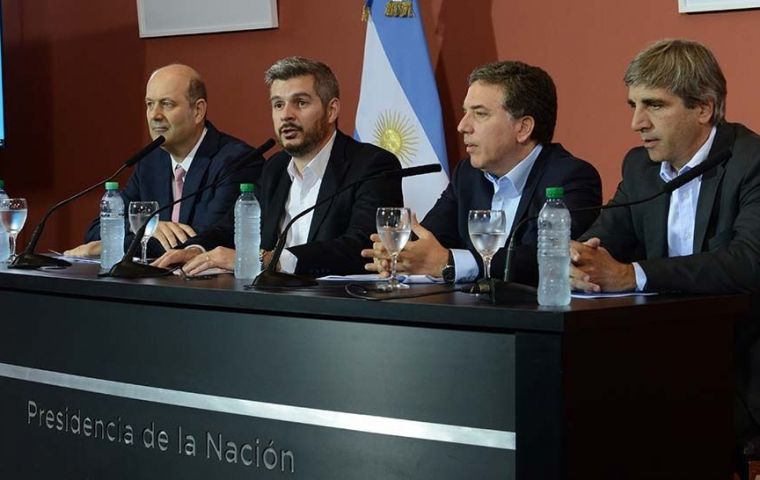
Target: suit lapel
198 171
656 221
164 179
531 184
274 208
709 187
331 181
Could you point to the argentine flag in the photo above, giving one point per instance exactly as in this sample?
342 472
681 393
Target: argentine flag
399 109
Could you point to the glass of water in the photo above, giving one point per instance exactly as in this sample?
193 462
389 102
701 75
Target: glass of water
488 232
138 214
394 225
12 217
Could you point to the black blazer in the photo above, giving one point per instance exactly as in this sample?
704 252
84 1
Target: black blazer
726 255
152 180
339 229
470 190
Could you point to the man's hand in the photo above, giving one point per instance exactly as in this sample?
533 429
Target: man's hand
220 257
177 257
91 249
424 256
594 270
171 234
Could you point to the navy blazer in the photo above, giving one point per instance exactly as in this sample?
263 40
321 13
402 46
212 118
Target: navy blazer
339 229
152 180
470 190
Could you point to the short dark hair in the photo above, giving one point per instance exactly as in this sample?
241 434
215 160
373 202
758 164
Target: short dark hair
685 68
528 91
325 83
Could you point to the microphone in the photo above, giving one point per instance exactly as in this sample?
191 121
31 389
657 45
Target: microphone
271 278
506 291
30 260
127 268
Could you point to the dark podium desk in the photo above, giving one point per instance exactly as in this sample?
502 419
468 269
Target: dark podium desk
170 378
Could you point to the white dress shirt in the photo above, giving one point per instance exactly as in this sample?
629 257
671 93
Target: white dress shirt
304 191
683 209
185 162
506 196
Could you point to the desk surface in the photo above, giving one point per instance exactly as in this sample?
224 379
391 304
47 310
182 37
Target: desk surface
458 309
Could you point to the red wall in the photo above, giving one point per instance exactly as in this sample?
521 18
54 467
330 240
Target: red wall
75 72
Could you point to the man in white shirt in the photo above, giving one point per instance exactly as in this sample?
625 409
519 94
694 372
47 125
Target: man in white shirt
317 161
705 236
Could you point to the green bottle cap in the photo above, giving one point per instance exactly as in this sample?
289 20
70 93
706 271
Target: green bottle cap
553 193
112 186
246 187
2 184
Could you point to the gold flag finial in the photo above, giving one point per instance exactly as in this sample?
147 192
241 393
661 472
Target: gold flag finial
399 8
365 10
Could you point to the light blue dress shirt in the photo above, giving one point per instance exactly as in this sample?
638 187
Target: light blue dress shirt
683 209
507 191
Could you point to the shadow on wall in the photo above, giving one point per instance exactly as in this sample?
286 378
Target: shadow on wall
467 38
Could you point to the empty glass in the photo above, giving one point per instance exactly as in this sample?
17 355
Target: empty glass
394 225
488 232
138 214
12 217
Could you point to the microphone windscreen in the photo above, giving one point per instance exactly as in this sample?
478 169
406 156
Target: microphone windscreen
414 171
700 169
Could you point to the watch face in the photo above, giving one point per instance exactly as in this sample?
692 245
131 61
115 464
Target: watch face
448 273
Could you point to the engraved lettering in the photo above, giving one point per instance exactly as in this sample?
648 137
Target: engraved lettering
272 453
163 441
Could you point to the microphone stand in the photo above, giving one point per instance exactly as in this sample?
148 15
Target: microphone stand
28 260
271 278
127 268
509 291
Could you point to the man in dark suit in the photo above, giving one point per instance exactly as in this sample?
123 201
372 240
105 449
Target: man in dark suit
509 116
194 154
317 160
705 236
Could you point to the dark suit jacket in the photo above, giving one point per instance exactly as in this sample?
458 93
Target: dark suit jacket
152 180
339 229
470 190
726 255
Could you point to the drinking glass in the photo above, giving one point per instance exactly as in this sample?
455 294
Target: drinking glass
138 214
488 232
12 217
394 225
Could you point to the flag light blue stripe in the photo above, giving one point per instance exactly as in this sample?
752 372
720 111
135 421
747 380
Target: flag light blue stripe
404 42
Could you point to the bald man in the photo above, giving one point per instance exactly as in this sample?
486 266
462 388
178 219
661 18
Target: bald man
194 154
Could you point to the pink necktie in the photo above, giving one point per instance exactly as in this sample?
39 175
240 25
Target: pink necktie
177 185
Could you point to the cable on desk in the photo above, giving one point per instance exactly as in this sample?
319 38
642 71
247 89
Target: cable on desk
364 292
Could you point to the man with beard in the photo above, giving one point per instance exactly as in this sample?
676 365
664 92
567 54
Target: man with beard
194 154
316 162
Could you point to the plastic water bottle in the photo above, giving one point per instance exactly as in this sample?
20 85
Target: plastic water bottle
111 226
247 234
554 250
5 249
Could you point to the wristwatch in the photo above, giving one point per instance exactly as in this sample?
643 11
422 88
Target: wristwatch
449 272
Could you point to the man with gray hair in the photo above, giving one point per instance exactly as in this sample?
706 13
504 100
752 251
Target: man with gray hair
318 160
704 237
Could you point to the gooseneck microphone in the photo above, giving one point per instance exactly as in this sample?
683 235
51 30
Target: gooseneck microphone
502 292
28 259
271 278
127 268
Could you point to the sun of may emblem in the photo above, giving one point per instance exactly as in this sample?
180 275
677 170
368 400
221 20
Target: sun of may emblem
395 133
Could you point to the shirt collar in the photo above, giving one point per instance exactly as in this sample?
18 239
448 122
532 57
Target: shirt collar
518 176
316 167
668 173
190 156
